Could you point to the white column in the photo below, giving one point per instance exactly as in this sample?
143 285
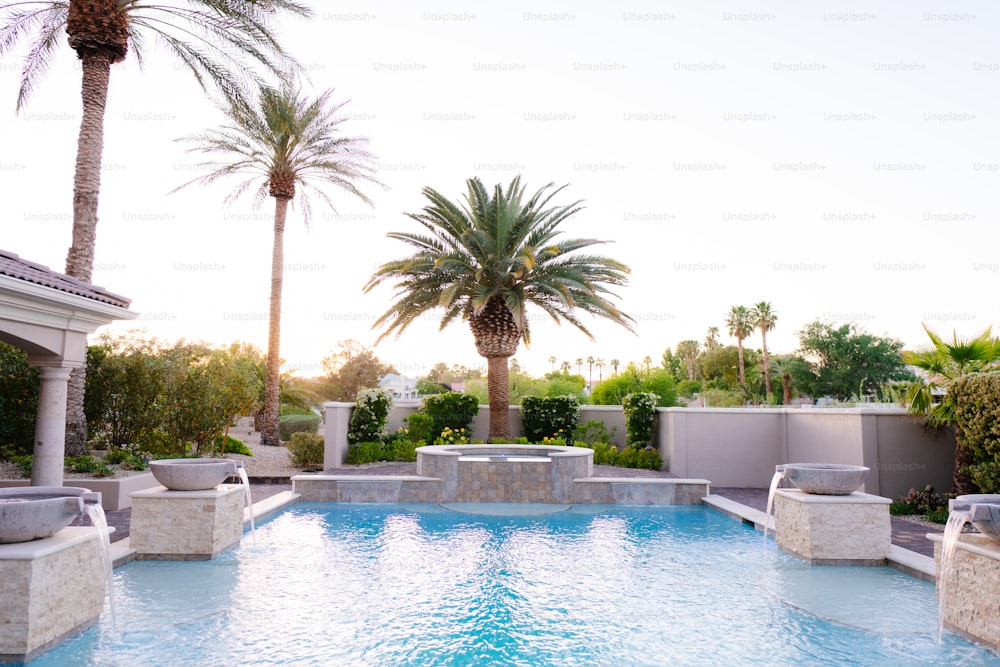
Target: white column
338 417
50 427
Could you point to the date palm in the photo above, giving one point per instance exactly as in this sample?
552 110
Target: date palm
764 318
285 145
217 40
688 350
484 261
740 324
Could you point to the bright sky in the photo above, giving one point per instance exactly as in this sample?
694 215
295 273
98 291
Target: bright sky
838 159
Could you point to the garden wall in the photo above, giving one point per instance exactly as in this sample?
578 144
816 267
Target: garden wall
739 447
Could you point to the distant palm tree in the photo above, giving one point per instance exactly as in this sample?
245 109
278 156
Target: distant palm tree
764 318
217 41
615 364
712 338
590 370
579 366
484 261
600 369
688 350
287 144
740 325
564 367
552 363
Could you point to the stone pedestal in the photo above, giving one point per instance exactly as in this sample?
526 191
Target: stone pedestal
50 589
833 530
186 525
971 607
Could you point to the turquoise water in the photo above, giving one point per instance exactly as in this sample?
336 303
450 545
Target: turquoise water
594 585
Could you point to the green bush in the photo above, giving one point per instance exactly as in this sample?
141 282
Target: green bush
657 380
227 444
722 398
640 418
289 409
365 452
18 400
554 417
306 449
688 388
629 457
371 411
290 424
419 426
452 410
976 403
594 431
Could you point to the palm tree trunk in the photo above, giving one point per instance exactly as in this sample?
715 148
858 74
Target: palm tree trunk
499 391
86 187
786 388
739 349
768 386
272 388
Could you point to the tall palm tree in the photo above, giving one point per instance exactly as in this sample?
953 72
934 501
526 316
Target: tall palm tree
712 338
740 324
600 369
590 371
285 144
217 40
564 367
484 261
579 366
764 318
614 365
552 364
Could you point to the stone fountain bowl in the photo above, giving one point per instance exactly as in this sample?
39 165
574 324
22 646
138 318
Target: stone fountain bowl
964 502
36 512
827 479
192 474
986 518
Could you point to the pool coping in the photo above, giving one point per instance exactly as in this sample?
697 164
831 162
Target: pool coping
904 560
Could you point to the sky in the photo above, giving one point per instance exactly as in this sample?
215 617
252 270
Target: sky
839 160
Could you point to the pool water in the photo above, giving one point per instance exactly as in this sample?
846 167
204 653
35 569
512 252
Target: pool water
591 585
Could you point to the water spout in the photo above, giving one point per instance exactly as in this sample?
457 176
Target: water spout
778 476
248 496
952 530
100 521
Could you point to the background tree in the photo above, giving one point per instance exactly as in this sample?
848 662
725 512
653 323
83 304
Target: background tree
658 381
688 351
18 400
614 366
845 361
740 325
217 41
590 371
579 365
600 368
485 261
564 366
764 318
786 367
351 368
719 368
285 144
712 338
552 363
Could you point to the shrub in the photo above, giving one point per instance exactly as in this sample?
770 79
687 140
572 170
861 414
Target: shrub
289 409
976 403
688 388
594 431
290 424
365 452
18 399
924 500
452 437
554 417
629 457
658 381
420 426
306 449
227 444
371 410
722 398
640 418
452 410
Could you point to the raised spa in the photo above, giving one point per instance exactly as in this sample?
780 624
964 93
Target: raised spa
36 512
192 474
828 479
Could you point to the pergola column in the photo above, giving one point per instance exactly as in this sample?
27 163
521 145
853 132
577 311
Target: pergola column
50 425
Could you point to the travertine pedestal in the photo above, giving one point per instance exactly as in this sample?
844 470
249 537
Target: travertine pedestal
972 604
186 525
833 530
49 589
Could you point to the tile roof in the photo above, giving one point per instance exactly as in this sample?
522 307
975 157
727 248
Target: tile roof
13 266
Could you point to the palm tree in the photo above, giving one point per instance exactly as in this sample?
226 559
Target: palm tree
740 325
688 350
579 366
943 363
217 41
600 369
763 317
590 371
712 338
552 364
484 261
285 144
564 367
614 365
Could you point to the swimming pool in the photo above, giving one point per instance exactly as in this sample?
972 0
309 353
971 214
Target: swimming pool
425 585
